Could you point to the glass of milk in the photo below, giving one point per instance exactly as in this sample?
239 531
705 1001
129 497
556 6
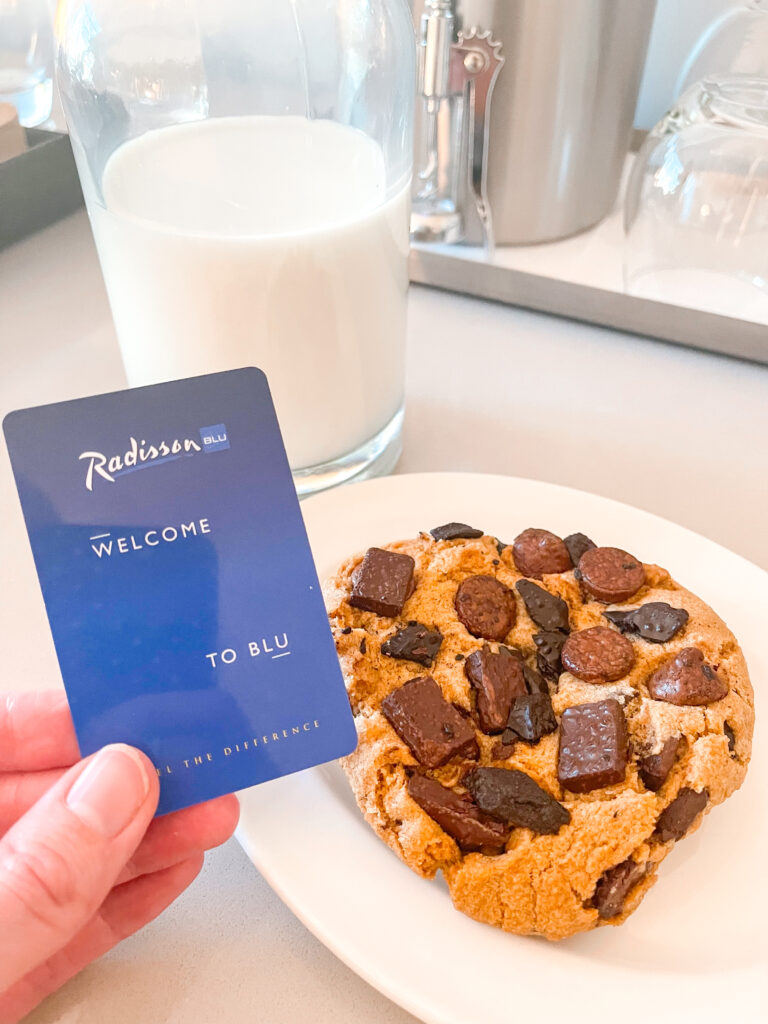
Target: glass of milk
246 166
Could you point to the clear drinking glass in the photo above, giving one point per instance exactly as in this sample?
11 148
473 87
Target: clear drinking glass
246 166
26 59
696 211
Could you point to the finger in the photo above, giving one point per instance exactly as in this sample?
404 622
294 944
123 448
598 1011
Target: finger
21 790
126 909
131 906
168 839
60 860
177 836
36 732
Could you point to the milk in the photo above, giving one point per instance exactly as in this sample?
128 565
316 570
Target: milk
266 241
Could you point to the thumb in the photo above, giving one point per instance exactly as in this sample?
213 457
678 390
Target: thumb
60 859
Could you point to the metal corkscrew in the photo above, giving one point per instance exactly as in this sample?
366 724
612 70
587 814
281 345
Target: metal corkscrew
457 73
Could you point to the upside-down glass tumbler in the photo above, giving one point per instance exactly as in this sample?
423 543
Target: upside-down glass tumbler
696 210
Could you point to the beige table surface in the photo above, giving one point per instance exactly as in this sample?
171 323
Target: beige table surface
490 389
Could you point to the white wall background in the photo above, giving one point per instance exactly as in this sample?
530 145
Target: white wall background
676 28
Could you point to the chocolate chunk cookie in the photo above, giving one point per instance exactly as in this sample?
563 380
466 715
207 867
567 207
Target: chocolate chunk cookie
555 752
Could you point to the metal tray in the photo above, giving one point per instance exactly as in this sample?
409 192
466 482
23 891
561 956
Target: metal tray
458 272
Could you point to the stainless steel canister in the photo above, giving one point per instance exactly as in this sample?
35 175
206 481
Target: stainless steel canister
562 110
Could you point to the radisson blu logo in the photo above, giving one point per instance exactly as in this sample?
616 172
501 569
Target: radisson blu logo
140 454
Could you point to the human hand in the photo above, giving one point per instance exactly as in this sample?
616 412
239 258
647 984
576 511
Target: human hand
83 864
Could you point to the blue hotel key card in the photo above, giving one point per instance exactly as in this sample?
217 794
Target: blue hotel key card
179 583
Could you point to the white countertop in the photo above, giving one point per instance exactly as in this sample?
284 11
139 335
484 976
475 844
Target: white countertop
490 389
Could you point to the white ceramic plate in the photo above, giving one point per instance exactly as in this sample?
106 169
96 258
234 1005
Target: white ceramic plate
696 949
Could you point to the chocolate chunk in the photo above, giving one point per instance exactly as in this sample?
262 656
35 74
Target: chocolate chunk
655 768
598 655
547 610
613 887
497 678
485 607
686 679
347 630
383 583
731 737
548 655
656 621
414 642
501 751
593 746
538 551
432 728
675 820
610 574
513 797
455 531
500 545
458 816
577 544
530 718
363 646
459 657
534 681
621 620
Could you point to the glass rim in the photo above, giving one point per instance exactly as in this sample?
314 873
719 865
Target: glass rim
737 91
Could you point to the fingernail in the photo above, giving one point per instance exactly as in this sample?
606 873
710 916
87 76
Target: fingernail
107 796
